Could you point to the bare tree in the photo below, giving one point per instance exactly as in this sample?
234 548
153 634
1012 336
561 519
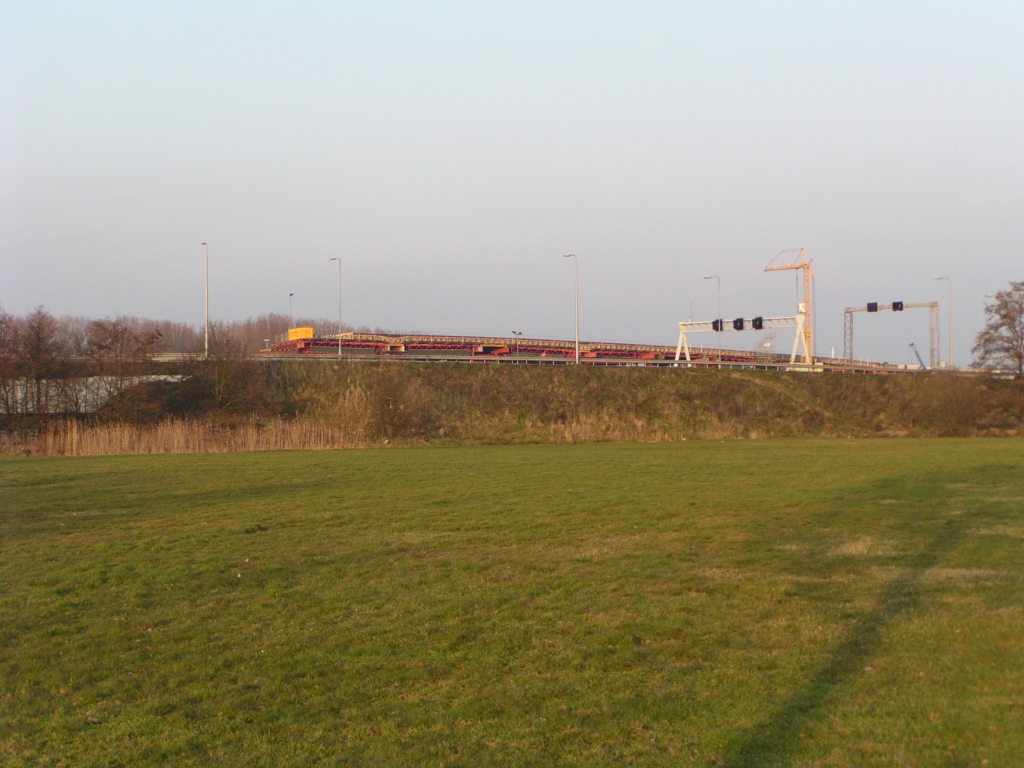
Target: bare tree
10 355
1001 342
73 334
41 361
120 351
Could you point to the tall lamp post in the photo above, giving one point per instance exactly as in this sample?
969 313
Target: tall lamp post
206 310
950 281
517 334
576 265
291 320
337 259
716 277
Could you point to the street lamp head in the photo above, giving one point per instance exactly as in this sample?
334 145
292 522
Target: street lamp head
335 258
940 278
710 277
569 256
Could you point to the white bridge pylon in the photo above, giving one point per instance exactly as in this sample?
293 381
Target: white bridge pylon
742 324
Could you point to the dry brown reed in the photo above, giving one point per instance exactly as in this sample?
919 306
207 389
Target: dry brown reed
72 438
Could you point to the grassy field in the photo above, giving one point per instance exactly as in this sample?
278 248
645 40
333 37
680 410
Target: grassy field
741 603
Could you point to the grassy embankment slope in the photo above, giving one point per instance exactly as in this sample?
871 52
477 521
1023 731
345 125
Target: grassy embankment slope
583 404
744 603
319 404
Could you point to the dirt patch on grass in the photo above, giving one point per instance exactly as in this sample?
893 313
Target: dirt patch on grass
609 546
861 547
957 575
1009 531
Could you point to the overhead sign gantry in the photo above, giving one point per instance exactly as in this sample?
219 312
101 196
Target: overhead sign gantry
896 306
798 321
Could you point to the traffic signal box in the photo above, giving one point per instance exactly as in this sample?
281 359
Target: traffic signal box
757 323
897 306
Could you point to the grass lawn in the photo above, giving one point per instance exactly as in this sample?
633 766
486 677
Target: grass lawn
741 603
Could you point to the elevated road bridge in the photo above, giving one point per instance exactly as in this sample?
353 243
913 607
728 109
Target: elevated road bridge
520 350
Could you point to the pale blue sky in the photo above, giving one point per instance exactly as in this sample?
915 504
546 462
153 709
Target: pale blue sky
449 153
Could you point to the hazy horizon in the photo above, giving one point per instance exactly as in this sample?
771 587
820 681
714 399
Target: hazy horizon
450 154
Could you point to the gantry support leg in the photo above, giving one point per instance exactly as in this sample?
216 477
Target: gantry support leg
800 340
682 345
848 336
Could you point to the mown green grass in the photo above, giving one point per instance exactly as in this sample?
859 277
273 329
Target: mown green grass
742 603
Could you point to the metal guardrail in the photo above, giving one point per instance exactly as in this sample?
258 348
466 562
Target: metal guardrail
821 366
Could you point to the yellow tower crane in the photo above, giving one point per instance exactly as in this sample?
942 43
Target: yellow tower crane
805 308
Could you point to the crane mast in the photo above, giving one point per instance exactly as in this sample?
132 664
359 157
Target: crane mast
803 263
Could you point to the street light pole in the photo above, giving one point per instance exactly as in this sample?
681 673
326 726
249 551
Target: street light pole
517 334
716 277
576 265
206 310
291 320
950 281
337 259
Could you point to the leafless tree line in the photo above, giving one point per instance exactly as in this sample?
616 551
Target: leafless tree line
240 336
54 367
49 368
244 336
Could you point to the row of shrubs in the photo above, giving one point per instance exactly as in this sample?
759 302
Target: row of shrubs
358 403
424 401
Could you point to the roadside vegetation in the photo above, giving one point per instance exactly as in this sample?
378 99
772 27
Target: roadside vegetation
107 395
239 404
738 603
1000 344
